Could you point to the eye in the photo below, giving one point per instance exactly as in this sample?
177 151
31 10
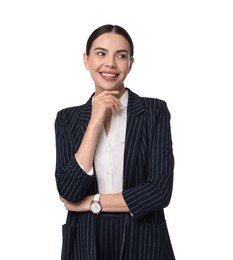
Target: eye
122 56
100 53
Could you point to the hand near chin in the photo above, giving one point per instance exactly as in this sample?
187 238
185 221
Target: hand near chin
104 104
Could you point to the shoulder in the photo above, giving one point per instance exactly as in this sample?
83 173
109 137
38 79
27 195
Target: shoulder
69 112
151 105
154 103
76 112
71 117
156 110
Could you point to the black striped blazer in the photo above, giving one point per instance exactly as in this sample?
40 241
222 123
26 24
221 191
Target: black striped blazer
147 181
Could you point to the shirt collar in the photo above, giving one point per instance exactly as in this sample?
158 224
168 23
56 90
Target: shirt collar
124 99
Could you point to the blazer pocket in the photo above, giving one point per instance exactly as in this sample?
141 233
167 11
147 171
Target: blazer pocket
68 242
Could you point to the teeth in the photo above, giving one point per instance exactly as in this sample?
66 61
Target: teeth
108 75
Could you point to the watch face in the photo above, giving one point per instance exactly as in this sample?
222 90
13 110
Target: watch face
95 207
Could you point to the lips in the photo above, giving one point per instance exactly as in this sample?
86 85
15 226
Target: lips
109 75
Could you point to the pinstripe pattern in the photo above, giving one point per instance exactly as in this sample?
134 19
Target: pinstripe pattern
110 236
147 182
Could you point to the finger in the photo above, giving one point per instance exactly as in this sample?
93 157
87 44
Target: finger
111 105
71 206
108 95
107 101
109 92
62 199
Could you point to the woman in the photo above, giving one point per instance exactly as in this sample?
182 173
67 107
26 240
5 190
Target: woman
114 168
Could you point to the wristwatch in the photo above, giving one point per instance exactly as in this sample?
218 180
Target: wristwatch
95 204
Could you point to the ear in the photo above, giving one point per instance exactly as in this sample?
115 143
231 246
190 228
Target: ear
85 60
131 64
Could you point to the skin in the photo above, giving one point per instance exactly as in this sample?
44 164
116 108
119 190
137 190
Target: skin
109 63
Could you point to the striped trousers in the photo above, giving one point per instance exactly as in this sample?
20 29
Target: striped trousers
110 237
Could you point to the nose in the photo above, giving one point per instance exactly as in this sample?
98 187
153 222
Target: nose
111 62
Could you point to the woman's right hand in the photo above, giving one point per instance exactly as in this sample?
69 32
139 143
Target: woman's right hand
104 103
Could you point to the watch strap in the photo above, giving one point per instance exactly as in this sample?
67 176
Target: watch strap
96 197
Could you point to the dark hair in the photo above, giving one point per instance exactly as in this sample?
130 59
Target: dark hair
106 29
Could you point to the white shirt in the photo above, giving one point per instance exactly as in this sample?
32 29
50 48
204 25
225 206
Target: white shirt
109 154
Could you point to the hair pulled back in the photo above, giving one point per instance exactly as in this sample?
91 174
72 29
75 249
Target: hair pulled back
107 28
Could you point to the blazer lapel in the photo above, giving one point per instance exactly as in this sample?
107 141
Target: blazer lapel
133 136
81 118
85 113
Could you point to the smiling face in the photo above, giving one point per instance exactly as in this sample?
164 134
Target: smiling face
109 62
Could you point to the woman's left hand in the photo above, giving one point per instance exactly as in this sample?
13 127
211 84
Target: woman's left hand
81 206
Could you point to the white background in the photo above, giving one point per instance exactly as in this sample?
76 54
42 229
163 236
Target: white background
183 54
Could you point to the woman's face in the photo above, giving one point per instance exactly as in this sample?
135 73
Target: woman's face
109 62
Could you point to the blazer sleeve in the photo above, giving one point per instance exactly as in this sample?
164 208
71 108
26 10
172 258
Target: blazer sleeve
155 193
72 181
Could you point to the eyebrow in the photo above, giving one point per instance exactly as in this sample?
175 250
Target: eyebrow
103 49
